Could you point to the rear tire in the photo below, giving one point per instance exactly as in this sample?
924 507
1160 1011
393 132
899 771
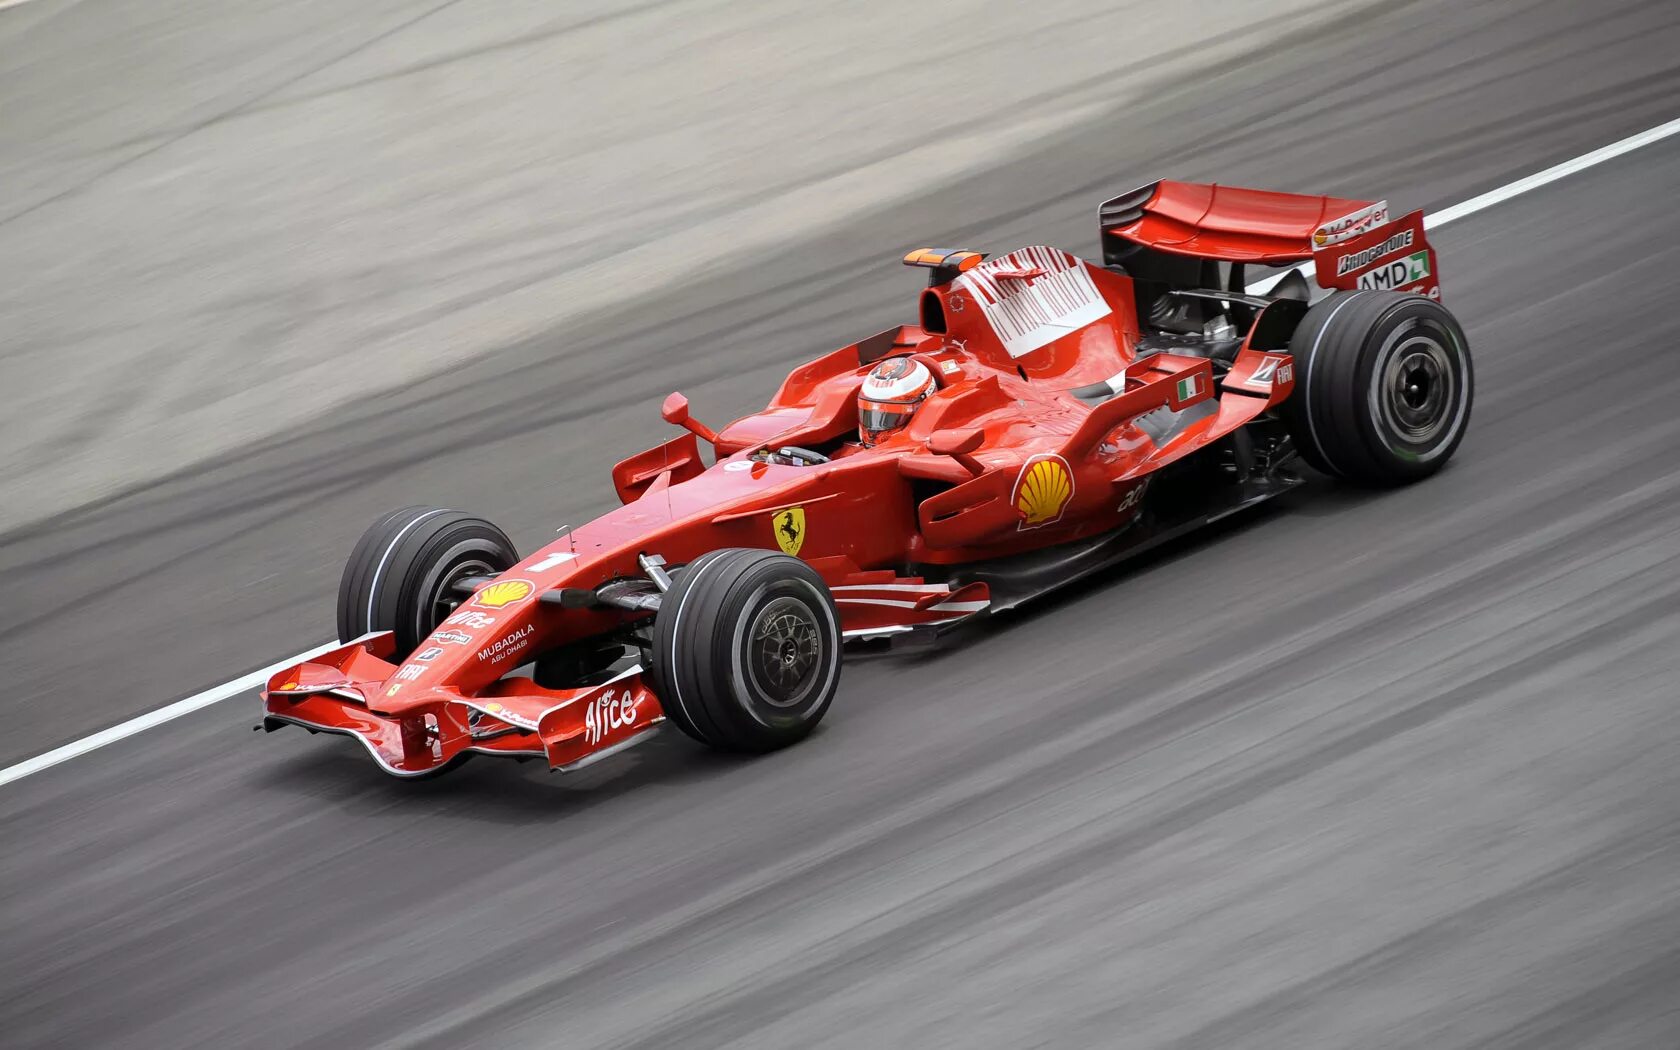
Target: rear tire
1383 387
746 650
401 574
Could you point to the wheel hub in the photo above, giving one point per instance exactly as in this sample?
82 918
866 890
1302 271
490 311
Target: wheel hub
445 599
784 650
1418 387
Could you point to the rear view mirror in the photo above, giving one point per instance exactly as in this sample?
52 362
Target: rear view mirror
675 410
958 444
955 442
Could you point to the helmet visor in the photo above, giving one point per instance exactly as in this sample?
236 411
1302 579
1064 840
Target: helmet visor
876 419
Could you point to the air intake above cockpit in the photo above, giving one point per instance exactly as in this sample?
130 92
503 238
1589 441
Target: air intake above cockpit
945 263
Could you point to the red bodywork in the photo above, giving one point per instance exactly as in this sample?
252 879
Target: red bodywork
1021 464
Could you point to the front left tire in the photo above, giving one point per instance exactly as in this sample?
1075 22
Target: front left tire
402 573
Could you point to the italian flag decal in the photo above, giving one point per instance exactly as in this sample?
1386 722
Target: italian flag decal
1189 388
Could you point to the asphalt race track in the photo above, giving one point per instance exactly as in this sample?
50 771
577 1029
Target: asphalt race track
1360 770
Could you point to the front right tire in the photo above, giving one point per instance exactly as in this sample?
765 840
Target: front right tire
746 650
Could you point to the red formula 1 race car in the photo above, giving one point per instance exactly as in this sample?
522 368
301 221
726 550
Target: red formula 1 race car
1044 418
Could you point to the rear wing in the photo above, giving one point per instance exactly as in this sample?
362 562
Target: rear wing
1352 243
1232 224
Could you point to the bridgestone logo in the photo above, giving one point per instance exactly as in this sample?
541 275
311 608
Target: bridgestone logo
1407 271
1359 260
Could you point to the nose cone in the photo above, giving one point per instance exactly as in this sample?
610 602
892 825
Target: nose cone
403 698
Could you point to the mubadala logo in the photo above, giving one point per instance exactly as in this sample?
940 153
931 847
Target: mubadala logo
513 643
1409 270
1359 260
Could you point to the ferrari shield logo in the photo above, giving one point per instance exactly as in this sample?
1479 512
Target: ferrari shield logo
789 526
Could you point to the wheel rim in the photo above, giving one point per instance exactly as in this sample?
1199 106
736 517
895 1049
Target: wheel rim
784 651
1418 390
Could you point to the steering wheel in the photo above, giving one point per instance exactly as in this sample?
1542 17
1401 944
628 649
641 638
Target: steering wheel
805 456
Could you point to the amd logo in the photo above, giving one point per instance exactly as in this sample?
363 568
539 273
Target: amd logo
1399 274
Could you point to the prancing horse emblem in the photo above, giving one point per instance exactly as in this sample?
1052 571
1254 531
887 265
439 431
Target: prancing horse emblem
790 530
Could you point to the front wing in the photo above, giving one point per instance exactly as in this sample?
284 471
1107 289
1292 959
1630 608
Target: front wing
413 732
345 692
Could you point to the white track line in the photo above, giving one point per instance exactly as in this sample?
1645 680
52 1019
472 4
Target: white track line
1552 174
153 718
239 685
1521 186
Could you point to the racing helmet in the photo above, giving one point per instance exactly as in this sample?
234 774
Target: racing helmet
889 397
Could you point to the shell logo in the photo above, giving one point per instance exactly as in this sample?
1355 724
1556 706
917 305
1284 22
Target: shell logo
503 593
1042 490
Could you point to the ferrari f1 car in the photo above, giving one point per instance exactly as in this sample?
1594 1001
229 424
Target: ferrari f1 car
1053 417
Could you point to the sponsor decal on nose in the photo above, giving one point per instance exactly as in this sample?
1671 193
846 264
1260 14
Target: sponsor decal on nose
513 643
609 711
503 593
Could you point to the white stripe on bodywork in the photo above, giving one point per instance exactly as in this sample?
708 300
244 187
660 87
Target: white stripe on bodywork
940 607
875 632
914 588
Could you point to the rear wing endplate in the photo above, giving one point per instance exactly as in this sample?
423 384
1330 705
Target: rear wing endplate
1394 256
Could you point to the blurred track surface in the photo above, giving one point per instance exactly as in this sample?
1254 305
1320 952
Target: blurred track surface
221 220
1365 770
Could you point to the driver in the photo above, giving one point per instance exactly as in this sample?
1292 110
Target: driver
889 397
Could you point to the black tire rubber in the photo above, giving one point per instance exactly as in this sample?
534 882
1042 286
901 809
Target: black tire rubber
704 659
1348 415
400 570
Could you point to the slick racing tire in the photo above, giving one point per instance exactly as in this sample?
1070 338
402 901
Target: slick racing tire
1383 387
401 576
746 650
